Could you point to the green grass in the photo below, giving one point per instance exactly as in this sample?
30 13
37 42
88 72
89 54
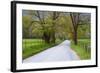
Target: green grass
33 46
82 49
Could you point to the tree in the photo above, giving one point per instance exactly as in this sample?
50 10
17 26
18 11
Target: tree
48 28
26 20
55 15
41 19
80 25
63 27
84 29
75 23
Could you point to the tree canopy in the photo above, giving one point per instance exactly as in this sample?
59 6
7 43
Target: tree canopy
53 25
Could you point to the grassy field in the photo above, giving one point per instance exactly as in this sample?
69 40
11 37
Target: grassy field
83 49
33 46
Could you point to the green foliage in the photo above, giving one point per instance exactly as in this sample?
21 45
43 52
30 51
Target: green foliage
26 21
63 24
84 31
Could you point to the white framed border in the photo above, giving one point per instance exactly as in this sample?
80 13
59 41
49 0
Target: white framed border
21 66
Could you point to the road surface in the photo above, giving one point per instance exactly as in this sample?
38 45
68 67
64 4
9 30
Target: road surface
61 52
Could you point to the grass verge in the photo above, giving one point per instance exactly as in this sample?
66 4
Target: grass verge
82 49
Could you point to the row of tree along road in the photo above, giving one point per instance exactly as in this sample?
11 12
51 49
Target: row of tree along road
53 25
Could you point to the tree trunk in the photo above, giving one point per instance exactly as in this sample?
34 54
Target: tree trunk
53 37
46 37
75 21
75 37
30 31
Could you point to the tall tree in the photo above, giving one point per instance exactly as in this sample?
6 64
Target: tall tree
75 23
55 15
41 17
